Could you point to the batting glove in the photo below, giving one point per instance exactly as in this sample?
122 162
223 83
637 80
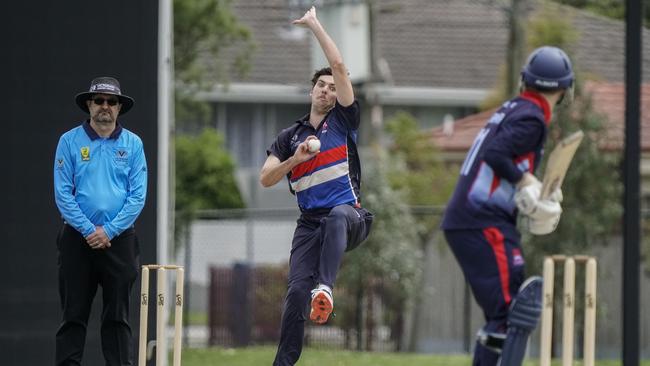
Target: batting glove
528 192
541 226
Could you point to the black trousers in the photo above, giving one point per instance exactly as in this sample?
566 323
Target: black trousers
316 254
81 270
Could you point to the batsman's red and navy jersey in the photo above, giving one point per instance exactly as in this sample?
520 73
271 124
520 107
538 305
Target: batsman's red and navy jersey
333 177
510 144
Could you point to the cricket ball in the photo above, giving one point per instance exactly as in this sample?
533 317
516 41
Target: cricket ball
314 145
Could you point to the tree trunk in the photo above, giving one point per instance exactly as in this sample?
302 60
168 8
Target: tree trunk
516 44
397 329
370 321
359 317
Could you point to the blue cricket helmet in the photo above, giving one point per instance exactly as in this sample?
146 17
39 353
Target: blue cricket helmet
548 68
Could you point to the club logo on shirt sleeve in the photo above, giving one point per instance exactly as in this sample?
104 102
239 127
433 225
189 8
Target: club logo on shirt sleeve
85 153
59 163
294 143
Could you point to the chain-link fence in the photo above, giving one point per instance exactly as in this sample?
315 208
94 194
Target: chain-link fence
236 266
245 305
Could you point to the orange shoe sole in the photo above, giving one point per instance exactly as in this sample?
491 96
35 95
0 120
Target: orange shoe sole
321 308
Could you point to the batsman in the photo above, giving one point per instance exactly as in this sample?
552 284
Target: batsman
497 183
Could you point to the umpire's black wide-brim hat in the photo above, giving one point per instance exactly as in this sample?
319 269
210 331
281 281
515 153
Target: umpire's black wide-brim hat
104 85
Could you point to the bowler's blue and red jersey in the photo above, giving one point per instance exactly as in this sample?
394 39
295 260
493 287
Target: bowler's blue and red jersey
510 144
333 176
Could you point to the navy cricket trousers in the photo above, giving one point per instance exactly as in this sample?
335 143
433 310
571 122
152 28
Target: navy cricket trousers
81 270
493 265
318 245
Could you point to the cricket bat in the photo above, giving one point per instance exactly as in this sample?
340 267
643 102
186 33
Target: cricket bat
558 163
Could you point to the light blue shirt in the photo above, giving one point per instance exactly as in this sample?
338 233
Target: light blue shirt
100 181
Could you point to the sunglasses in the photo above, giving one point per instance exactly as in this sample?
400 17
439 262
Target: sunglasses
100 101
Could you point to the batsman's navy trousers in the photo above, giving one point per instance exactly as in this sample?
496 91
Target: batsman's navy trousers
317 249
493 265
81 269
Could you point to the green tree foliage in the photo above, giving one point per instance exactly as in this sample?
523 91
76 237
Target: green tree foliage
203 29
546 26
610 8
498 93
204 176
387 263
551 27
418 169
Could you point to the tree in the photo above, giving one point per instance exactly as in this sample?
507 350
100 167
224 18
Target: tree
387 263
203 29
205 173
204 176
546 27
550 27
610 8
418 169
506 88
515 49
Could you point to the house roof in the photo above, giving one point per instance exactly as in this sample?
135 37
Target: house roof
282 54
452 43
608 99
462 135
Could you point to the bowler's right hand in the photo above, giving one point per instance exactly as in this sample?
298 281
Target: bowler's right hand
302 153
308 20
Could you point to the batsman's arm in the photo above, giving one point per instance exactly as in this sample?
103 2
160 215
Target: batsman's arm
514 142
344 91
503 165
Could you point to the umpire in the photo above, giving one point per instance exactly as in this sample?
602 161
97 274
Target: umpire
100 185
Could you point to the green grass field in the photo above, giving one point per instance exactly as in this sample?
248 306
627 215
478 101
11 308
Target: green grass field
317 357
